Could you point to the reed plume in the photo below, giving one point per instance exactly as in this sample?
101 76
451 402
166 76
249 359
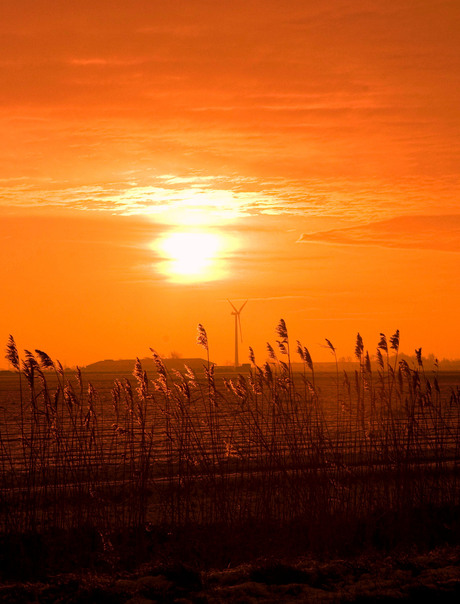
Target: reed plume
12 353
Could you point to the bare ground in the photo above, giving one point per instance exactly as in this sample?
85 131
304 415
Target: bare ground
401 577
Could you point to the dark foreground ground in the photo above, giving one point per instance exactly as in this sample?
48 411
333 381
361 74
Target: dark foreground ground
430 576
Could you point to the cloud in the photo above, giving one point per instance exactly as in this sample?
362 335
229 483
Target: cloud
440 232
223 198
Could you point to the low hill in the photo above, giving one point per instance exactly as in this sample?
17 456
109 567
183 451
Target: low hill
126 366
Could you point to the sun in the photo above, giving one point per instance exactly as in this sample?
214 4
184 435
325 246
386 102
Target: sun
191 256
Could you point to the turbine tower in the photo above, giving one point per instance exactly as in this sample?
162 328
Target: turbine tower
236 314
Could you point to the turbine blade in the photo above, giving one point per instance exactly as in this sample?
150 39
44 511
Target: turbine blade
232 305
244 304
239 323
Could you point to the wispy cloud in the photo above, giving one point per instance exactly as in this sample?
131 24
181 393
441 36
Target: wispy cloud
205 198
441 232
103 61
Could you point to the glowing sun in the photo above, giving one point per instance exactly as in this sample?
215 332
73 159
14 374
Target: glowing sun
191 256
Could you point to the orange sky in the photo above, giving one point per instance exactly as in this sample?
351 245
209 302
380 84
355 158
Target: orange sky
160 157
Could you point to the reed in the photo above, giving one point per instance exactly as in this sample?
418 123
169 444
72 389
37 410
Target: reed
266 448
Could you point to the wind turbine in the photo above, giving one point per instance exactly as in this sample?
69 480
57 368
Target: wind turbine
236 314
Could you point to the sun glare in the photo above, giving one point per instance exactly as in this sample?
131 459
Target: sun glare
192 256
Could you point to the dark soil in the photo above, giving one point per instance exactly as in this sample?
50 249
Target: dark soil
401 577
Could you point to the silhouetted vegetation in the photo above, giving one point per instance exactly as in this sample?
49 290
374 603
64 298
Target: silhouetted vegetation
189 467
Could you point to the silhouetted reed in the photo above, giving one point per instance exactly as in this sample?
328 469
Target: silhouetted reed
267 446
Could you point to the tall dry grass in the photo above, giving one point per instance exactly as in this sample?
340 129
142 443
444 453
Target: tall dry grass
266 447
